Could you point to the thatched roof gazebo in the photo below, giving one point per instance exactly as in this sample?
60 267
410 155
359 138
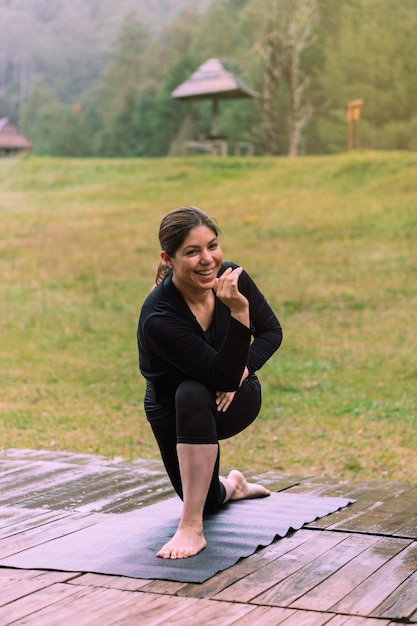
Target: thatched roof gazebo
11 140
212 81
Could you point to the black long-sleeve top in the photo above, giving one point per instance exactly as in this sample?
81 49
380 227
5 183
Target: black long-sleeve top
173 346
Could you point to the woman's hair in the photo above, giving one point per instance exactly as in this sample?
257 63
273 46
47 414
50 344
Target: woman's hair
173 231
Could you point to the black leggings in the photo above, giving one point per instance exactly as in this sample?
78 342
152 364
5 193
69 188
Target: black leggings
192 417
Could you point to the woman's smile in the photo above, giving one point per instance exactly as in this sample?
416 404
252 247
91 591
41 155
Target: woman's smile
205 273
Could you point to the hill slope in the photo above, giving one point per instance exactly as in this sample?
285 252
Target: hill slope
330 240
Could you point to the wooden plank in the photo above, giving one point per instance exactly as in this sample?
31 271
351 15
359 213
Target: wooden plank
168 587
207 612
307 618
33 490
389 518
135 610
156 610
34 479
358 515
25 608
14 590
28 454
378 491
11 515
245 567
9 467
107 492
128 495
75 605
74 458
409 530
275 481
253 585
403 517
402 603
352 620
111 582
67 486
368 521
312 482
88 606
286 592
60 527
96 491
265 616
327 593
336 520
368 595
11 574
26 520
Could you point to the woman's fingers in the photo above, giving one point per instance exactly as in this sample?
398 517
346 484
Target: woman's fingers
224 400
228 281
227 290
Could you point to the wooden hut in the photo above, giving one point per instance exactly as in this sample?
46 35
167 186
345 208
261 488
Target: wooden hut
12 142
214 82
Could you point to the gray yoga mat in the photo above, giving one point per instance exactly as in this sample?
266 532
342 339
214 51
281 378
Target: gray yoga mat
126 544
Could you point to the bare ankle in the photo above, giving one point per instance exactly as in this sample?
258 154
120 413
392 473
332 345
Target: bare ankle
195 526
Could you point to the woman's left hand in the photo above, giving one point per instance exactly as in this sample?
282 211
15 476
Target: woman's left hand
224 398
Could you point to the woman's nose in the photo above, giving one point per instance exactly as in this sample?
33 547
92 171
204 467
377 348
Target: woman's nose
206 256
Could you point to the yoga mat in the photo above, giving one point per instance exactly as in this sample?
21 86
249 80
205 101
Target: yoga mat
126 544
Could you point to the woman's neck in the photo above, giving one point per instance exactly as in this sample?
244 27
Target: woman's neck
201 305
194 297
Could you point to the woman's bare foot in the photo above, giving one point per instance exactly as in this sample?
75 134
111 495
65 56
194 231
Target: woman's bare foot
243 489
189 539
186 542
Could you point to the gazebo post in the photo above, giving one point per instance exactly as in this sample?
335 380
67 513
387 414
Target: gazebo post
215 119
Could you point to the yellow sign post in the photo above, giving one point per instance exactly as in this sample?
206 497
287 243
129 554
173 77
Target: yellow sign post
353 113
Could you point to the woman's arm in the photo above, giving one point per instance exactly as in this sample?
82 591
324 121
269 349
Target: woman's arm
173 340
227 290
267 331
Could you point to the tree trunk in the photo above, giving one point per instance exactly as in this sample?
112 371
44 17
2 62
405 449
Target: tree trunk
299 36
269 102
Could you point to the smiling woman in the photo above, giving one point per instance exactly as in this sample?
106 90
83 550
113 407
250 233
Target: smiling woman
197 354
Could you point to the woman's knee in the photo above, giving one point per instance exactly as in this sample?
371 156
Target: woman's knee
192 394
195 413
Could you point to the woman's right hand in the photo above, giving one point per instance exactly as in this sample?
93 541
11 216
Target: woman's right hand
227 290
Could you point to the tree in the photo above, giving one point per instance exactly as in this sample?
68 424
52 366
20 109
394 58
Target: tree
371 55
300 29
52 127
287 28
18 41
270 47
117 95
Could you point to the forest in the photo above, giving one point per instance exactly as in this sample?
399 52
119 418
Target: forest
88 78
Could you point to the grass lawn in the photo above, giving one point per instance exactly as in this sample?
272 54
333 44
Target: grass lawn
330 240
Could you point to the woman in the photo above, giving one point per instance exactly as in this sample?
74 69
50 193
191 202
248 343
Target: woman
197 354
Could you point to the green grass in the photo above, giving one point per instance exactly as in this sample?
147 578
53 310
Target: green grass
330 240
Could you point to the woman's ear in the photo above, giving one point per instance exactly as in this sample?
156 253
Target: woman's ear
165 257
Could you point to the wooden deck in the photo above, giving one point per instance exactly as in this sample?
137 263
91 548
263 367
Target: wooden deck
356 567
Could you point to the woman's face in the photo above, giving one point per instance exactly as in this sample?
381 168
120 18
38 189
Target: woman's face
197 261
